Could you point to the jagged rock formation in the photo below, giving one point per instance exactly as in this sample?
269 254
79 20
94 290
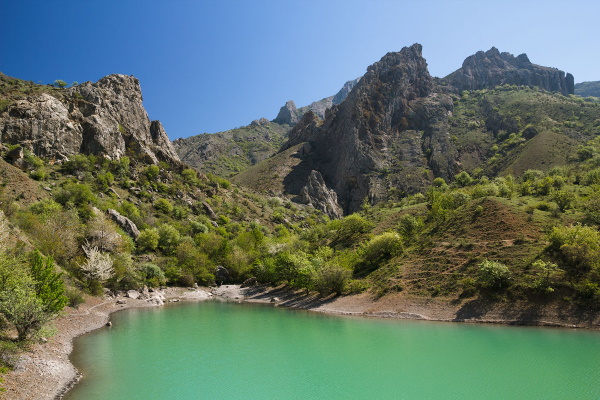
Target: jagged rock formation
492 68
105 118
318 195
585 89
391 120
288 114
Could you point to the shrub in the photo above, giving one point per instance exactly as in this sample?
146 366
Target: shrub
152 172
164 206
98 266
463 179
168 239
379 250
153 275
76 194
409 226
148 239
331 279
493 275
578 246
348 230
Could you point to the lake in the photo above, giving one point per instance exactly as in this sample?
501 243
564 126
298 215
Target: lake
218 350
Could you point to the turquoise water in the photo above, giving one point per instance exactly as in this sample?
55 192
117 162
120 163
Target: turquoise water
216 350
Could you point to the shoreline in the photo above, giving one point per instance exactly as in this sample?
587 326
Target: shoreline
46 371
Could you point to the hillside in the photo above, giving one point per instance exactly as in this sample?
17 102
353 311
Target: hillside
408 189
227 153
586 89
400 128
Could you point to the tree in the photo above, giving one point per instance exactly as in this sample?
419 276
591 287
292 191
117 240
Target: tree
59 83
493 274
98 266
23 309
18 301
148 239
49 286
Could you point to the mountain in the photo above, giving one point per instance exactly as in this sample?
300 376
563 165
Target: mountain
290 115
400 128
230 152
586 89
492 68
105 118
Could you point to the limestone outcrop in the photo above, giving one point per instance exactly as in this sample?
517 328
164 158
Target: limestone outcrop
492 68
317 194
392 120
105 118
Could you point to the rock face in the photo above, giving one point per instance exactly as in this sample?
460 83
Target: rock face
392 120
288 114
125 223
318 195
344 91
104 118
492 68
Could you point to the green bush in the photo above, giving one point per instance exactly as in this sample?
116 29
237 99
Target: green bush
76 194
168 239
577 246
148 240
347 231
164 206
493 275
331 279
378 250
153 275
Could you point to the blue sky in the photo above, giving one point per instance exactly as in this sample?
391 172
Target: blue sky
208 65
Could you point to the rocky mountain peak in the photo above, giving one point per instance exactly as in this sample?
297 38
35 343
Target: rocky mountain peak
492 68
288 114
357 137
105 118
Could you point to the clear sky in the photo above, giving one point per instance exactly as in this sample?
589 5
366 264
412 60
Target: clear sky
211 65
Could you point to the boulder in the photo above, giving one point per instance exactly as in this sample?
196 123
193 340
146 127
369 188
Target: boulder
222 274
125 223
249 282
133 294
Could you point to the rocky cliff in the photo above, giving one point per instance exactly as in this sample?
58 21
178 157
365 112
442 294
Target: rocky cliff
105 118
492 68
289 114
392 121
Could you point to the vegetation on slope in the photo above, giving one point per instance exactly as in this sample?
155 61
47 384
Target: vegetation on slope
228 153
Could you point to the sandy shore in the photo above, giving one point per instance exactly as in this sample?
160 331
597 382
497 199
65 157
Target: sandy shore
45 372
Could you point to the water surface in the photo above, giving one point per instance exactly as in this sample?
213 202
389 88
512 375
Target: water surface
216 350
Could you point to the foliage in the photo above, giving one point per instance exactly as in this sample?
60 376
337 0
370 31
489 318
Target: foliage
60 83
493 274
98 266
49 286
331 279
577 246
148 239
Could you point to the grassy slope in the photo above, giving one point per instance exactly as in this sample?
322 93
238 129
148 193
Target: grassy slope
227 153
